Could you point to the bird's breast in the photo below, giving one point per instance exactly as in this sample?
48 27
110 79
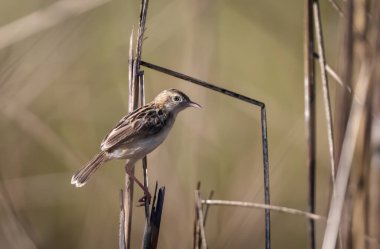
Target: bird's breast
139 148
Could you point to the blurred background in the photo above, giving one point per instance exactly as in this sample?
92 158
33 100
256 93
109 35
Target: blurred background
65 85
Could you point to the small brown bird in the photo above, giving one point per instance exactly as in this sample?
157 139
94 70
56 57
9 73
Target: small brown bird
138 134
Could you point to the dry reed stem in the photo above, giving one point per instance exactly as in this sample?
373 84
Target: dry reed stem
141 30
343 104
374 176
144 160
134 71
122 244
325 85
345 162
196 228
263 206
129 187
360 183
207 207
200 221
310 116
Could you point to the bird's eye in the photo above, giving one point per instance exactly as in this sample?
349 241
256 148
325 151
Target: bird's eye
177 98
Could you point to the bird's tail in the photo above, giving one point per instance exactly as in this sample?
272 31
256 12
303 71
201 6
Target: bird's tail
81 176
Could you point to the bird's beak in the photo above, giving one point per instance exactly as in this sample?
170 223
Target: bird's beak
193 104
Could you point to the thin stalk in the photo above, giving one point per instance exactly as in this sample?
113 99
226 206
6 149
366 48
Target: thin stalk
334 74
128 193
207 207
263 206
336 77
325 85
122 244
266 175
310 117
346 157
343 103
337 7
200 219
196 231
202 83
144 160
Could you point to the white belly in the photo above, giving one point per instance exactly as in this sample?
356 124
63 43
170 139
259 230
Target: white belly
138 149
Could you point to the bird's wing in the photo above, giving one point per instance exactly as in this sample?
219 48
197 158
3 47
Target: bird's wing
141 123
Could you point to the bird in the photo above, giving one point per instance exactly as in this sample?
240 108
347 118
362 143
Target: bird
137 134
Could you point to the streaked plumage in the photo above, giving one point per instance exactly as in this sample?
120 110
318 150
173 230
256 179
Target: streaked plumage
138 133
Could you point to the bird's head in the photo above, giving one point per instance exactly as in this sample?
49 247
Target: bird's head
174 101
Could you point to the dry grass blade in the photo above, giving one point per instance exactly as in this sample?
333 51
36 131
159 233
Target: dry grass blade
343 102
334 74
337 7
336 77
345 162
325 85
263 206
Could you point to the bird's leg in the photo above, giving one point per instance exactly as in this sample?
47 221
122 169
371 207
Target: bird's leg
147 195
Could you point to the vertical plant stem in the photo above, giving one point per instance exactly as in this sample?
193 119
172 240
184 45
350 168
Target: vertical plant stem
144 160
196 231
200 222
266 175
325 85
122 244
310 118
344 98
374 176
128 193
345 162
207 207
343 103
360 181
134 69
140 33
